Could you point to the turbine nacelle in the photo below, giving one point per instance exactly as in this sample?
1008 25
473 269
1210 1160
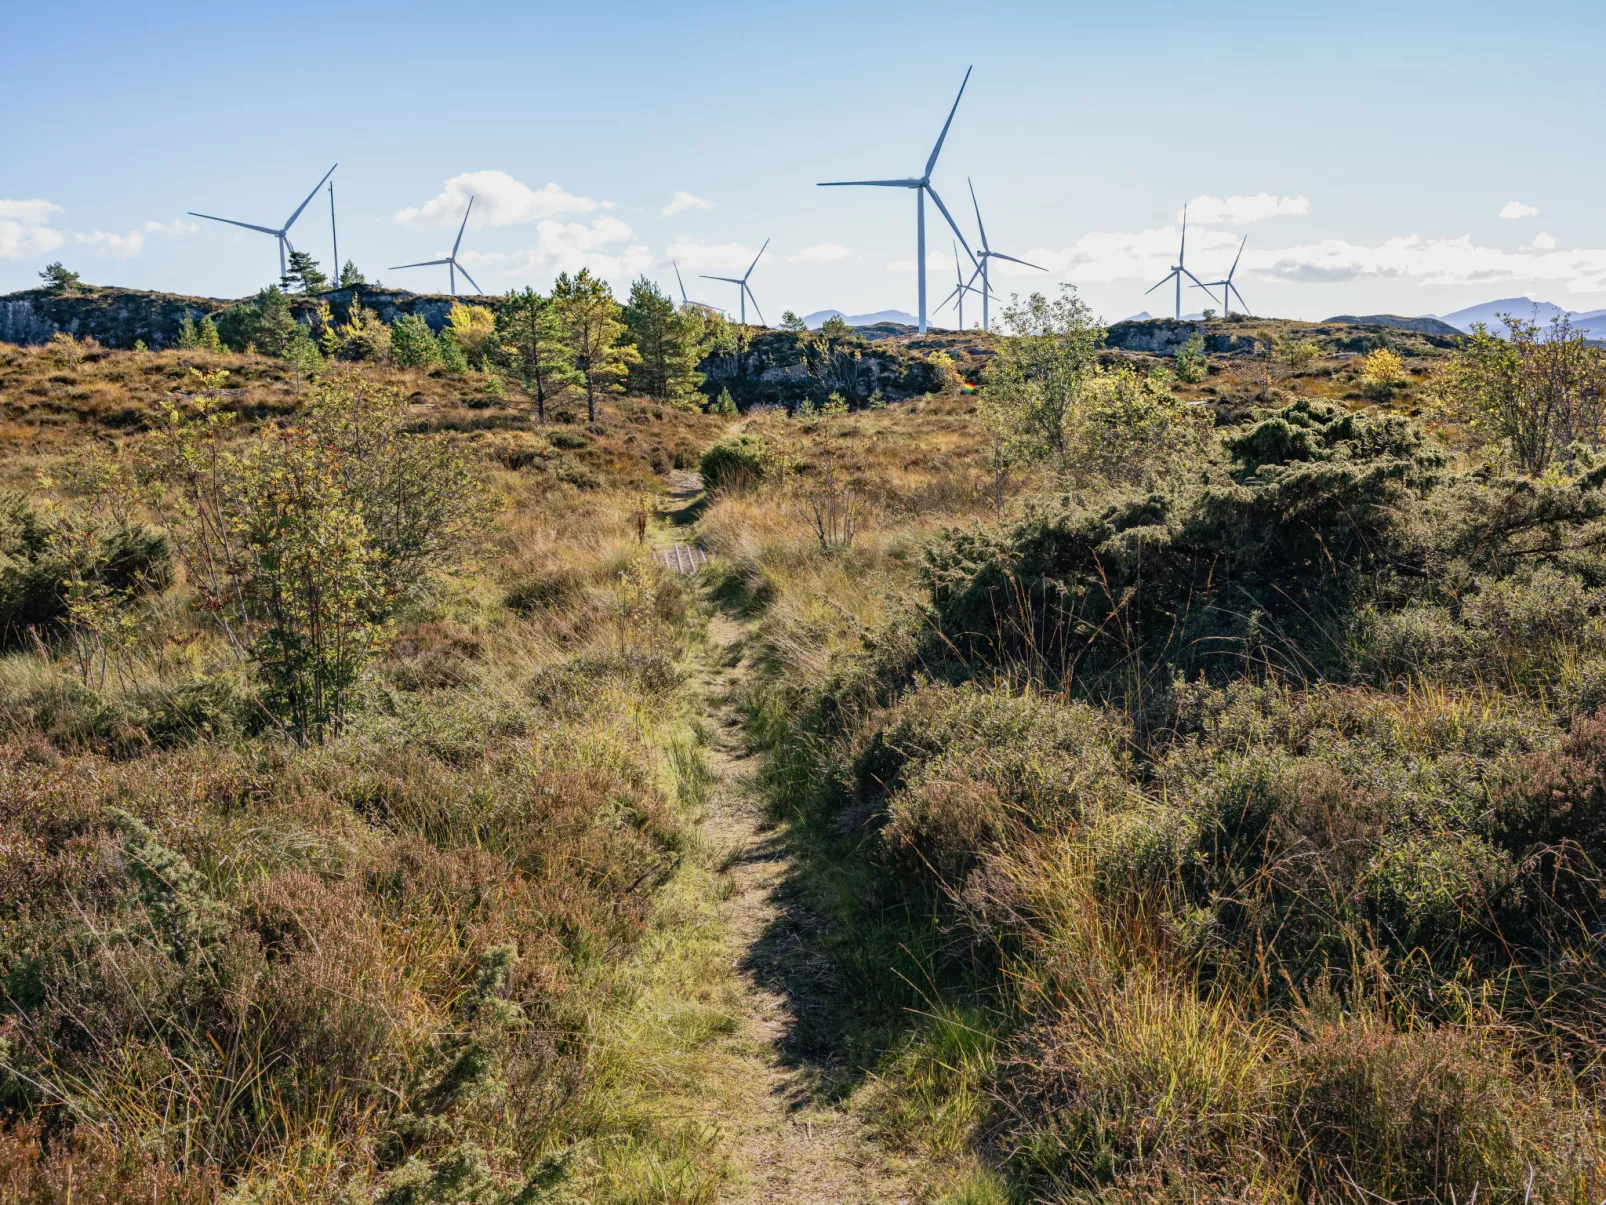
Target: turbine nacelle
283 232
922 188
452 266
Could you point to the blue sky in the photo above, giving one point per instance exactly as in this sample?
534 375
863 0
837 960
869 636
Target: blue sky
1385 140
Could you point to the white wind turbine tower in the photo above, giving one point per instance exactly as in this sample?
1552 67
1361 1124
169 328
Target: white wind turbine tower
922 186
961 287
743 291
987 254
1178 270
1228 289
452 266
283 232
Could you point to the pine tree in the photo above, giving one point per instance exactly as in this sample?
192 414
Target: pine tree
350 275
303 275
589 318
668 341
527 325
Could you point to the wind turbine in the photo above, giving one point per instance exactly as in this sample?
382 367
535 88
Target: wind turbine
922 186
452 266
987 253
961 287
1228 289
686 301
743 291
283 232
1178 270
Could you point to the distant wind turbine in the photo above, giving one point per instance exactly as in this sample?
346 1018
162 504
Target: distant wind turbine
961 287
283 232
922 186
987 254
744 292
685 301
452 266
1179 270
1228 289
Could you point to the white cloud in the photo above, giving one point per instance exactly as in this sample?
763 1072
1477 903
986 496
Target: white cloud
1104 255
126 246
1516 209
1544 242
176 226
570 246
1241 211
25 229
700 256
1442 261
684 200
820 252
499 200
118 246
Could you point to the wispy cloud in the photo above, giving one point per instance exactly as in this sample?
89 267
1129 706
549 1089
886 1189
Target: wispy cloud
118 246
1516 209
702 256
499 200
684 200
1442 261
25 229
821 253
1241 211
570 246
1105 255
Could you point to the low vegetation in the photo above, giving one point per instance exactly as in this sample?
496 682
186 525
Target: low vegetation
1216 823
1189 766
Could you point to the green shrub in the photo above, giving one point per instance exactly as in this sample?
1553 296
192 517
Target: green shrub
1190 362
412 343
734 463
35 568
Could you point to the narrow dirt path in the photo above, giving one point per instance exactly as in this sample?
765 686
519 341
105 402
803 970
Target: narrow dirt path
785 1143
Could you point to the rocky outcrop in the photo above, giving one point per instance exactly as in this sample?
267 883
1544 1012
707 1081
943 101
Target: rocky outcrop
1163 336
112 317
781 368
21 323
391 304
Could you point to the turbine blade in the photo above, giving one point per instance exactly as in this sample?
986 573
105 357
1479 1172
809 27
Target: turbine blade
428 263
754 264
1182 253
1164 281
869 183
977 208
937 150
1013 260
730 280
310 195
957 290
471 280
1237 257
952 224
754 300
232 222
462 228
1240 298
680 282
1190 276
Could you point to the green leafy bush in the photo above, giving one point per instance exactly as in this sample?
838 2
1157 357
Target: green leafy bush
412 343
735 462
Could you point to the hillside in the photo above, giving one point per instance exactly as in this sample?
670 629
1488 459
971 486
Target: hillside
927 802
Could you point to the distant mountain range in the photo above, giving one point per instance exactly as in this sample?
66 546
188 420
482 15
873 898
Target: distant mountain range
817 319
1592 323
